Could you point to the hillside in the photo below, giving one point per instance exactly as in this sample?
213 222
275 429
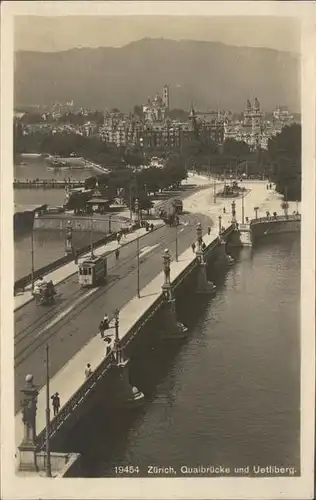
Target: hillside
208 73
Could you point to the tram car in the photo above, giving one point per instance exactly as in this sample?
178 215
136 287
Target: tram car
92 271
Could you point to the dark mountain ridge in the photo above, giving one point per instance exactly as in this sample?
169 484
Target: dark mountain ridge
209 74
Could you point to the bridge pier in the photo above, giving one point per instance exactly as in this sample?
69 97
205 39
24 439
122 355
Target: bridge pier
203 285
126 394
172 329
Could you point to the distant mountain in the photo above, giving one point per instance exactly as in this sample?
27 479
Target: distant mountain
209 74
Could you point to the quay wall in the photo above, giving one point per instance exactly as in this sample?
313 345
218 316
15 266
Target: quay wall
264 227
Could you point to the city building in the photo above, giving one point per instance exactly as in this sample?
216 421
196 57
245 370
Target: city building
121 129
250 129
156 109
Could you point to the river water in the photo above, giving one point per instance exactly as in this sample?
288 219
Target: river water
48 245
230 394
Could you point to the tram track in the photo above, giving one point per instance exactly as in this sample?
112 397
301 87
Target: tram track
32 329
48 315
36 338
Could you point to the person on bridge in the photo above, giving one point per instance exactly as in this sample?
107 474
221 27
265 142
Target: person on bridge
118 238
193 247
208 230
88 371
151 227
56 403
117 254
224 210
109 348
104 325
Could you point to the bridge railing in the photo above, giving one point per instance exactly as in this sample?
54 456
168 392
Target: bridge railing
74 402
278 218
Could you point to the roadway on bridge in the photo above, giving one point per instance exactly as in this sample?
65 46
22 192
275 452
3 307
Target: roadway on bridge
75 318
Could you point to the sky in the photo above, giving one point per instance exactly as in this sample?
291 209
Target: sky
53 34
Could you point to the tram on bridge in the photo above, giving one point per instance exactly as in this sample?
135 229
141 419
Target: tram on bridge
92 271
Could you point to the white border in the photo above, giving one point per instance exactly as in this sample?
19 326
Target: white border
22 488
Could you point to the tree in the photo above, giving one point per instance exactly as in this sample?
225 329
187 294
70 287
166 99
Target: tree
285 159
235 148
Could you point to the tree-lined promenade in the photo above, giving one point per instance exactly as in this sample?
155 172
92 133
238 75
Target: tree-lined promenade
281 162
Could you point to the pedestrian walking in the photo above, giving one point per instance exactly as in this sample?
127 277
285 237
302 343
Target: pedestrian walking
56 403
117 254
151 227
118 238
104 325
208 230
109 348
193 247
88 371
224 210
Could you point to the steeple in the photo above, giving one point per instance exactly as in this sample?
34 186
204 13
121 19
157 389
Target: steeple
192 112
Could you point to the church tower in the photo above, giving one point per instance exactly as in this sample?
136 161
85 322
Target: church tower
193 121
256 115
165 97
248 114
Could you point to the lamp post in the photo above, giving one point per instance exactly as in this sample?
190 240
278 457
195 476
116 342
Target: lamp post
214 190
166 257
32 258
136 208
177 252
110 220
117 339
138 268
47 443
219 224
233 211
130 203
91 237
199 237
242 208
256 212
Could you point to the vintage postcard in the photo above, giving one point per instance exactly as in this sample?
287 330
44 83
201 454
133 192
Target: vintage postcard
157 249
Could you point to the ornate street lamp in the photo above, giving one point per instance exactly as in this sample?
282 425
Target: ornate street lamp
199 237
219 224
117 339
136 208
233 211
